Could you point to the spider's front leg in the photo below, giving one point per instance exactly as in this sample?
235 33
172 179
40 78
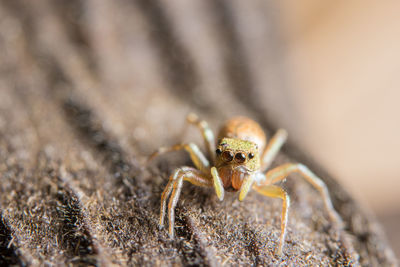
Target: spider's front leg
200 176
174 185
277 192
263 187
281 172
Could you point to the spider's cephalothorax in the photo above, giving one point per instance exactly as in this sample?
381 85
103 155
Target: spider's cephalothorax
237 162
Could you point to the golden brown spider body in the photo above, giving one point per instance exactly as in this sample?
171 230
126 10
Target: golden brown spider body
241 139
238 161
243 128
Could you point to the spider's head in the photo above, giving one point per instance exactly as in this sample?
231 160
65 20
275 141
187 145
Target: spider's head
238 154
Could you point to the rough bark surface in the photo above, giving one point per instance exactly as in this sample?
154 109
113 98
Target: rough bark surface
88 89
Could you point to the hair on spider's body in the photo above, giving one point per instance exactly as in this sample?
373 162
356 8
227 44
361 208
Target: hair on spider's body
235 160
238 162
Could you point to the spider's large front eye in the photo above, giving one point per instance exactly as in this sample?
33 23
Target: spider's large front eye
227 156
240 157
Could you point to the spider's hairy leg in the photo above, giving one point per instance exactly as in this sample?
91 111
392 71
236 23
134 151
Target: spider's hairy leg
281 172
165 194
174 185
206 132
197 157
272 148
277 192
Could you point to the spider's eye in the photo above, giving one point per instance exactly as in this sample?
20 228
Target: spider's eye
227 156
240 157
218 151
251 155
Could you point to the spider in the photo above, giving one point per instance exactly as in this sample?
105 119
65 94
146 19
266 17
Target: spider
239 161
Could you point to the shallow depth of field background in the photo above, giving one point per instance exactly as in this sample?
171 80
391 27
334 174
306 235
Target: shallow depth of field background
344 58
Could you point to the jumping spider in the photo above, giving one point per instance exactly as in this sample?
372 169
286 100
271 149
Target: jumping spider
239 162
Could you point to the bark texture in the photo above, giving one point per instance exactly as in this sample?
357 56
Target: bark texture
88 89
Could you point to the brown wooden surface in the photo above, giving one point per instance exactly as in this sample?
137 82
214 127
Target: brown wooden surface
88 89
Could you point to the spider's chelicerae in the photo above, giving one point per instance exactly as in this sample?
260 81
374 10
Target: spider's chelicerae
239 161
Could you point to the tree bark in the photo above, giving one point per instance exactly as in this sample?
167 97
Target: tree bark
89 89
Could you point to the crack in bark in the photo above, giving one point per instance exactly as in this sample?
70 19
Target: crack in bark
91 131
252 245
103 256
56 211
71 233
8 251
206 252
193 252
52 212
74 234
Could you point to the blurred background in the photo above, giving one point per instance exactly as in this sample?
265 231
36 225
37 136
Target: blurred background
344 61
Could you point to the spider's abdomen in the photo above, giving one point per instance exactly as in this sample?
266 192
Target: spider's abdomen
245 129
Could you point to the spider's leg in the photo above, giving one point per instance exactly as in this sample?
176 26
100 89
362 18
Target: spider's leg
277 192
190 174
197 157
172 203
272 148
281 172
206 132
167 191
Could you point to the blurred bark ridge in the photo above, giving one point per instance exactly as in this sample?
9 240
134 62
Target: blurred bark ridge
89 88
